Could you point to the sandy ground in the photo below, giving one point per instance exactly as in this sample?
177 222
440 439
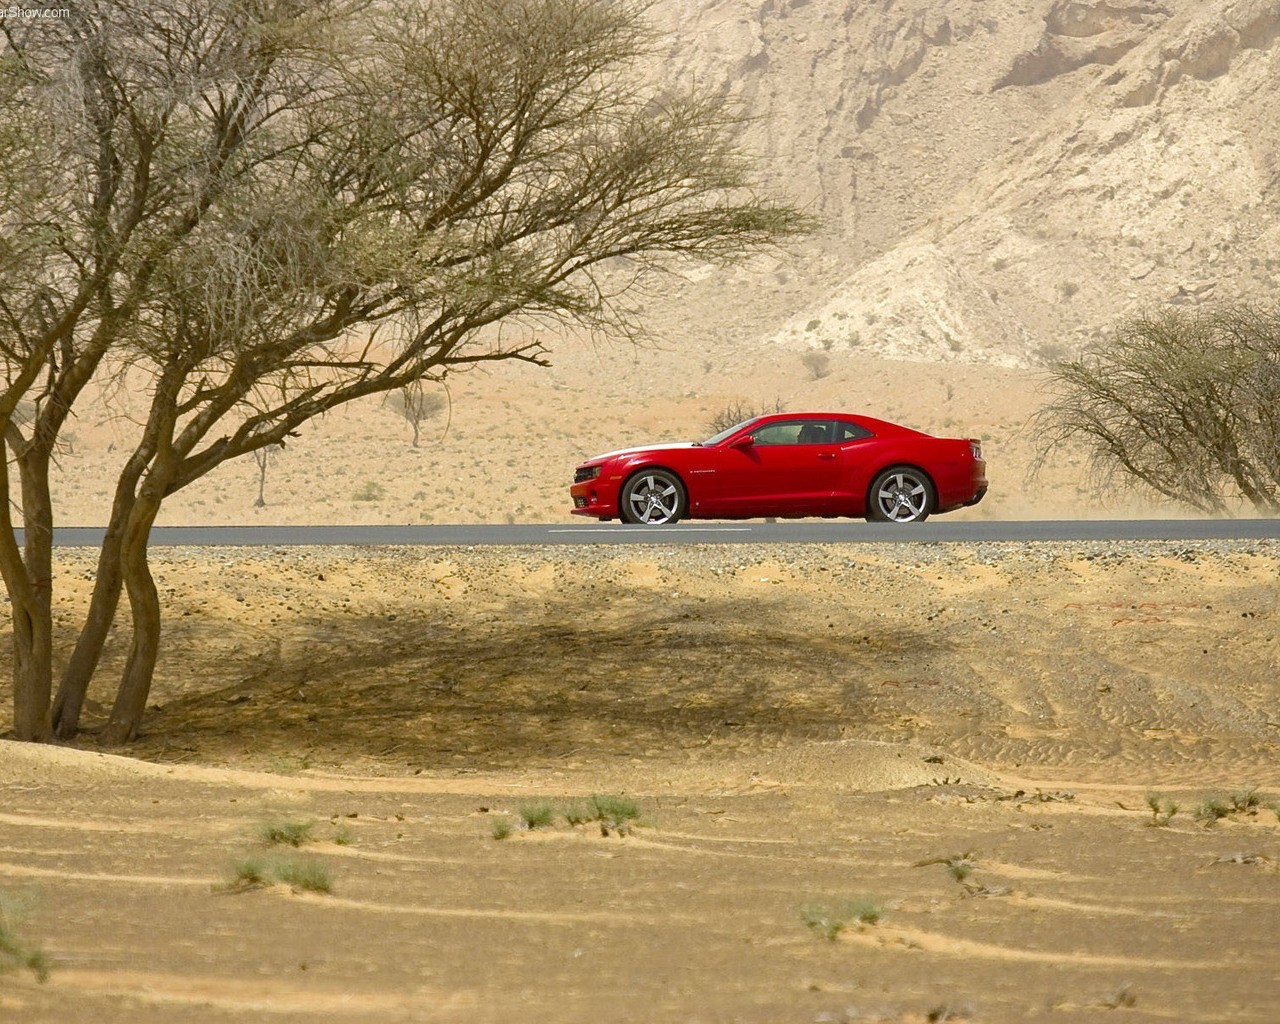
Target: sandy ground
800 727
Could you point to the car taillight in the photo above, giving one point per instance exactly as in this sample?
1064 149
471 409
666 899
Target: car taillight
976 447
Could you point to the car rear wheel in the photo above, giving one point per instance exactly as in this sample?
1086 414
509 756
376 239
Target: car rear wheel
652 497
900 494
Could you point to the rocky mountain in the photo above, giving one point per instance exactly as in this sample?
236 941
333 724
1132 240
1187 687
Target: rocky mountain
1000 179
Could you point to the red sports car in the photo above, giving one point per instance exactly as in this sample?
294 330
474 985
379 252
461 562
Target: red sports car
787 465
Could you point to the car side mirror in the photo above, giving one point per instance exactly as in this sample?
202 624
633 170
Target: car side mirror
745 441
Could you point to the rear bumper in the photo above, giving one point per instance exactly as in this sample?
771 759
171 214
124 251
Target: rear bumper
964 486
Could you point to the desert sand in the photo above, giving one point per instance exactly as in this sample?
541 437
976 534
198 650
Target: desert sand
801 728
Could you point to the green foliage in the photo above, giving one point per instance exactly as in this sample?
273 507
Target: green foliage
16 953
579 813
1246 800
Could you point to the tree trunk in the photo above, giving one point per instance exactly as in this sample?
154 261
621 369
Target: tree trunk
69 702
32 675
144 607
33 607
80 670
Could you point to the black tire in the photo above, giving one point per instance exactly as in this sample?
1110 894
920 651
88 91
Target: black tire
652 497
901 494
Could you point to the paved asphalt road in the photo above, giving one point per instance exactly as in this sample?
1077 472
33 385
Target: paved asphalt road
796 532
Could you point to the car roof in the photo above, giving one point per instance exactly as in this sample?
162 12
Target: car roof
876 426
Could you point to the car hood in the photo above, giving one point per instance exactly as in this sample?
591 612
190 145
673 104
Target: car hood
640 450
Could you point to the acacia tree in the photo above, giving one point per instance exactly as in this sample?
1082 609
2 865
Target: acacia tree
1185 403
274 208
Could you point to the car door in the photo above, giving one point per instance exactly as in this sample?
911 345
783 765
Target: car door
858 462
790 467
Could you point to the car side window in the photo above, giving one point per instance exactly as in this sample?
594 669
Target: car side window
794 432
850 432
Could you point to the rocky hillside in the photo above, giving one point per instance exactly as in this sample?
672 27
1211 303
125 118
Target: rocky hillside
1001 179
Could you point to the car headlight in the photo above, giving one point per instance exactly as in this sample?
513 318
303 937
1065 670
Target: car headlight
585 473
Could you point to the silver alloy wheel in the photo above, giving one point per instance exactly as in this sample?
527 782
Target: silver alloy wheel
901 496
653 499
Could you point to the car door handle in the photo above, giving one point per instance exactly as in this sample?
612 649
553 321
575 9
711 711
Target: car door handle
826 455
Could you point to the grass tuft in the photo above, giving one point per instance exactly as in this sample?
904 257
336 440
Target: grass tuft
830 920
501 828
960 866
286 833
307 875
1162 810
614 812
259 873
251 873
578 814
539 815
15 954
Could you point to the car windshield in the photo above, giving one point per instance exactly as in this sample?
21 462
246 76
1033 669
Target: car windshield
728 431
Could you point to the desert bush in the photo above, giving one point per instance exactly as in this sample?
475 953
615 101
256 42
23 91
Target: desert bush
817 363
1210 810
1245 800
1162 810
739 411
369 491
416 406
1184 403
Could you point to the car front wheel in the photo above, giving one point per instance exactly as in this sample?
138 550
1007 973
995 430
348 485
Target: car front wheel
652 497
900 494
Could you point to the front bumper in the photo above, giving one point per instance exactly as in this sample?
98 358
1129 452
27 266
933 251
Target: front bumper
597 498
